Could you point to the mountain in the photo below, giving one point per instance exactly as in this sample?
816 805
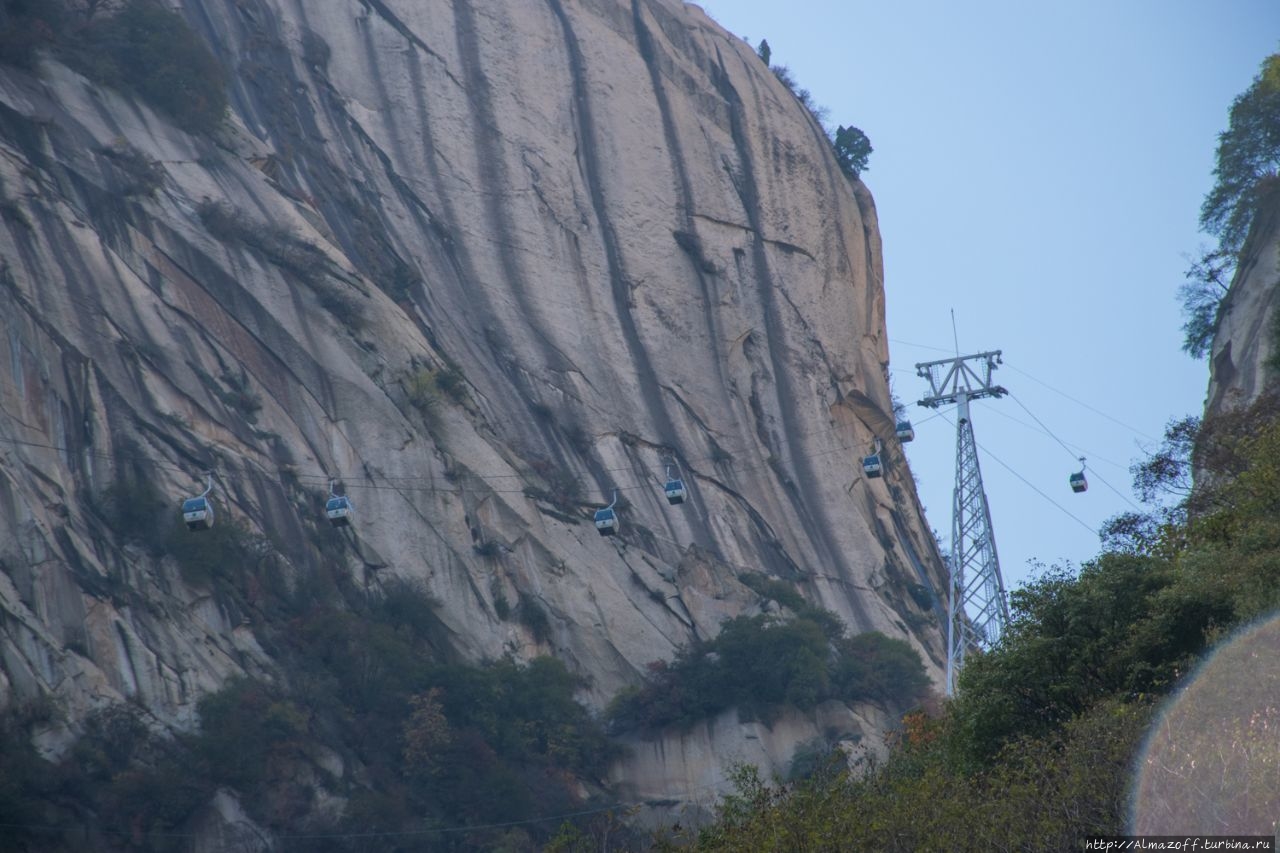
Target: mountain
483 265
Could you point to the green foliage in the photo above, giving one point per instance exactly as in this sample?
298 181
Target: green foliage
148 49
852 148
563 491
423 393
1248 157
266 729
784 75
141 176
774 590
134 782
280 246
1202 292
239 395
28 27
429 389
451 381
762 663
501 606
763 51
1042 794
221 555
134 509
1167 471
534 617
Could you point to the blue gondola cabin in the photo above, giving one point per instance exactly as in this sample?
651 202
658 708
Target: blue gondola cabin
606 522
338 510
198 513
905 432
871 465
674 491
1079 483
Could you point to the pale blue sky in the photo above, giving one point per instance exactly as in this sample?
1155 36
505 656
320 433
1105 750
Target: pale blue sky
1038 167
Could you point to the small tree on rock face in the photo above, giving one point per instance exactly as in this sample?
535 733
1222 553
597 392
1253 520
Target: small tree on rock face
852 149
763 51
1202 292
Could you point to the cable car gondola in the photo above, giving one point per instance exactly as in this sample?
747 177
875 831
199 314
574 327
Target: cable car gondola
871 465
905 432
197 512
606 519
1077 480
674 489
338 508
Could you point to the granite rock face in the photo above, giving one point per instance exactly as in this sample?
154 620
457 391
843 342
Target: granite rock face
1242 340
484 263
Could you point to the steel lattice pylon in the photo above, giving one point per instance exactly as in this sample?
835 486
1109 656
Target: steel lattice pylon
977 608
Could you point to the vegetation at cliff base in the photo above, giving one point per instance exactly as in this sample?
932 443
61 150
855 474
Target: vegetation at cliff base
372 734
759 664
1035 750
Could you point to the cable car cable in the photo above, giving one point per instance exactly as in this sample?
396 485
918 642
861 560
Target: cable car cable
1072 453
1129 427
1033 487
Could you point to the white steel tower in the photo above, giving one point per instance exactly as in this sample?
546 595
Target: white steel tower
976 586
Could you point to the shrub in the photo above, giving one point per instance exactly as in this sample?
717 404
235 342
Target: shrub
534 617
221 555
424 395
239 396
452 382
150 50
260 723
143 176
784 75
1202 291
487 549
29 26
761 663
306 261
275 242
775 590
134 509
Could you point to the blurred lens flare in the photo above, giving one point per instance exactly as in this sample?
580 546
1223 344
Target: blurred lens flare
1210 764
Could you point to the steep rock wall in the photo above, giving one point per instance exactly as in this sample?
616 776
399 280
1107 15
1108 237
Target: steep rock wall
629 238
1243 339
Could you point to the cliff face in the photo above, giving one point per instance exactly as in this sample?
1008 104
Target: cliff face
617 236
1243 339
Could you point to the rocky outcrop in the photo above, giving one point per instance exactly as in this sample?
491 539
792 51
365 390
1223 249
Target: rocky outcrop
484 263
1244 340
682 775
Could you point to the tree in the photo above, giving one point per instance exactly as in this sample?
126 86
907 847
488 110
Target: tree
1167 471
426 734
852 149
763 51
1202 292
1248 160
